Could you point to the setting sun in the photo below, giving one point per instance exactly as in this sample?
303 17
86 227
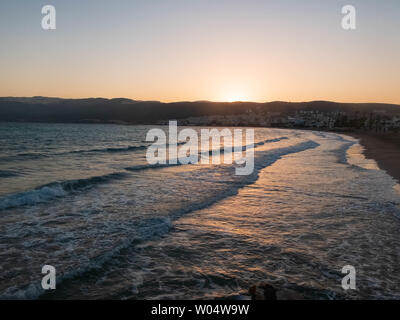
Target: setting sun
235 97
235 93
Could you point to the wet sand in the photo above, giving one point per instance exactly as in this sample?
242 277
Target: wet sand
384 149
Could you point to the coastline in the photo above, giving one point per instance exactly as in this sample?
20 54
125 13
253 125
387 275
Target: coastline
384 149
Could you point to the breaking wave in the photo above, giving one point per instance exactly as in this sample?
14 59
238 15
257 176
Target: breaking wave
54 190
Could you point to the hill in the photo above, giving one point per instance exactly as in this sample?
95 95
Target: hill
121 110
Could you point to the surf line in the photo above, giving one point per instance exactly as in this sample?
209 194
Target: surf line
189 142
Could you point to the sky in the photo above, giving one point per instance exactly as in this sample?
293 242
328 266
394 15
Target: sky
187 50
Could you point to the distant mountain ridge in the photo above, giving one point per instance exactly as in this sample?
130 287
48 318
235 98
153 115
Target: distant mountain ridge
122 110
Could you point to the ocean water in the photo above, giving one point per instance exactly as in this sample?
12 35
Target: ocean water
83 199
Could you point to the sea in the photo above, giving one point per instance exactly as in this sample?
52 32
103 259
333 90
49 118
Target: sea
84 199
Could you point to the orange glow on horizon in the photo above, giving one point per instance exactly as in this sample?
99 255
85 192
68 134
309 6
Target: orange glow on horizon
203 50
234 97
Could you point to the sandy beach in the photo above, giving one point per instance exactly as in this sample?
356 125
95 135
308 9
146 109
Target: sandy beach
384 149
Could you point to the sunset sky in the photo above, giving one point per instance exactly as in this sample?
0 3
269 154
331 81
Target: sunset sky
220 50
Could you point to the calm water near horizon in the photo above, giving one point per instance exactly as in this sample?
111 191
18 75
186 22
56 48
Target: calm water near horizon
82 198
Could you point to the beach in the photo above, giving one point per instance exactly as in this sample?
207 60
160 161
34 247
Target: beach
384 149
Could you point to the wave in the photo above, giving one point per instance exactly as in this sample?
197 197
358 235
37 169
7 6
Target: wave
118 149
106 150
341 152
210 152
31 156
150 228
54 190
35 156
8 173
112 150
275 140
245 147
151 166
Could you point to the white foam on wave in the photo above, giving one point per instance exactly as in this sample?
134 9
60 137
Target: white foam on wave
32 197
355 157
54 190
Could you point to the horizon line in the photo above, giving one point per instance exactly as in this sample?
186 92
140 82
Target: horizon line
194 101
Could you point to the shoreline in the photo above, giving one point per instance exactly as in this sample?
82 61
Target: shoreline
383 148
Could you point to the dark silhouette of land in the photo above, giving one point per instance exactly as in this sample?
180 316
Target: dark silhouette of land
120 110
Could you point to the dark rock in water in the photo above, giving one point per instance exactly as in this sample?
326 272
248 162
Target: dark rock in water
262 291
254 293
269 292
